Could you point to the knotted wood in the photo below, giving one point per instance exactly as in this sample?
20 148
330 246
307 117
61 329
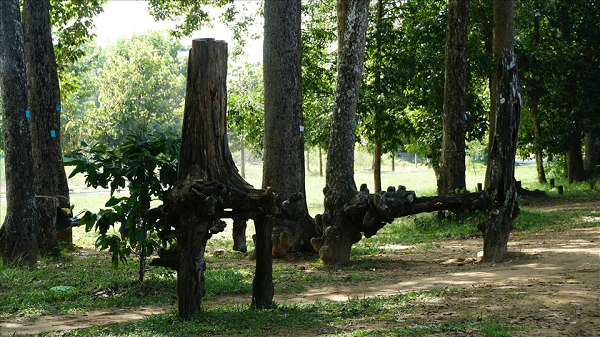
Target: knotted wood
209 187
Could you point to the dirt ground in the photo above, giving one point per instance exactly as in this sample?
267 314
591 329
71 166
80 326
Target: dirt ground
550 284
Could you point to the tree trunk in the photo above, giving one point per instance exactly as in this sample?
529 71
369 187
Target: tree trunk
575 169
377 109
18 234
500 179
283 166
377 164
503 38
308 161
537 131
592 154
243 155
210 188
393 163
262 285
205 156
44 103
452 165
338 228
320 162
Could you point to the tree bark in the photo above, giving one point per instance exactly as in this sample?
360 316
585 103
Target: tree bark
44 103
501 169
204 156
283 166
537 131
338 228
503 38
452 164
377 164
377 151
210 188
575 170
18 234
320 162
592 154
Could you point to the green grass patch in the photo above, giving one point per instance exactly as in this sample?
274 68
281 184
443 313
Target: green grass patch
89 283
319 317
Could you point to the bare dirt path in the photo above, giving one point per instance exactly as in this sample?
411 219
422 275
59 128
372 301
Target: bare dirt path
551 284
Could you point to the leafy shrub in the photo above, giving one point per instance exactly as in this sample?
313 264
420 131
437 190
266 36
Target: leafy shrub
145 164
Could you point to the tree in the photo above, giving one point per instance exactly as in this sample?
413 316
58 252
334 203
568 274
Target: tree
504 127
44 102
135 85
556 42
452 163
18 234
147 167
318 73
210 188
72 23
193 15
335 244
500 174
283 165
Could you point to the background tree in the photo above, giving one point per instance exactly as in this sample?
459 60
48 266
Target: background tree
193 15
50 180
72 23
142 90
452 163
283 163
18 234
556 44
318 73
245 106
410 96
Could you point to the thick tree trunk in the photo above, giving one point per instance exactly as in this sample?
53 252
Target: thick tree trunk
283 166
592 154
575 170
204 156
44 103
338 227
501 169
210 188
18 234
452 165
503 38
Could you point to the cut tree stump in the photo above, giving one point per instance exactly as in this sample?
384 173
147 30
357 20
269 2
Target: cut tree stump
209 187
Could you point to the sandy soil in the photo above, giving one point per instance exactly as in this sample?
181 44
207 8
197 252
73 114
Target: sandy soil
550 284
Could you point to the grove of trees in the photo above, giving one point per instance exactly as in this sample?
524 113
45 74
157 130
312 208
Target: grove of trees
419 75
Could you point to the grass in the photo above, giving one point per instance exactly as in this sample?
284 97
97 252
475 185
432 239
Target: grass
398 315
29 293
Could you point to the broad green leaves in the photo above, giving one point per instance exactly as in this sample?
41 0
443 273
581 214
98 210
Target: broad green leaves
147 166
